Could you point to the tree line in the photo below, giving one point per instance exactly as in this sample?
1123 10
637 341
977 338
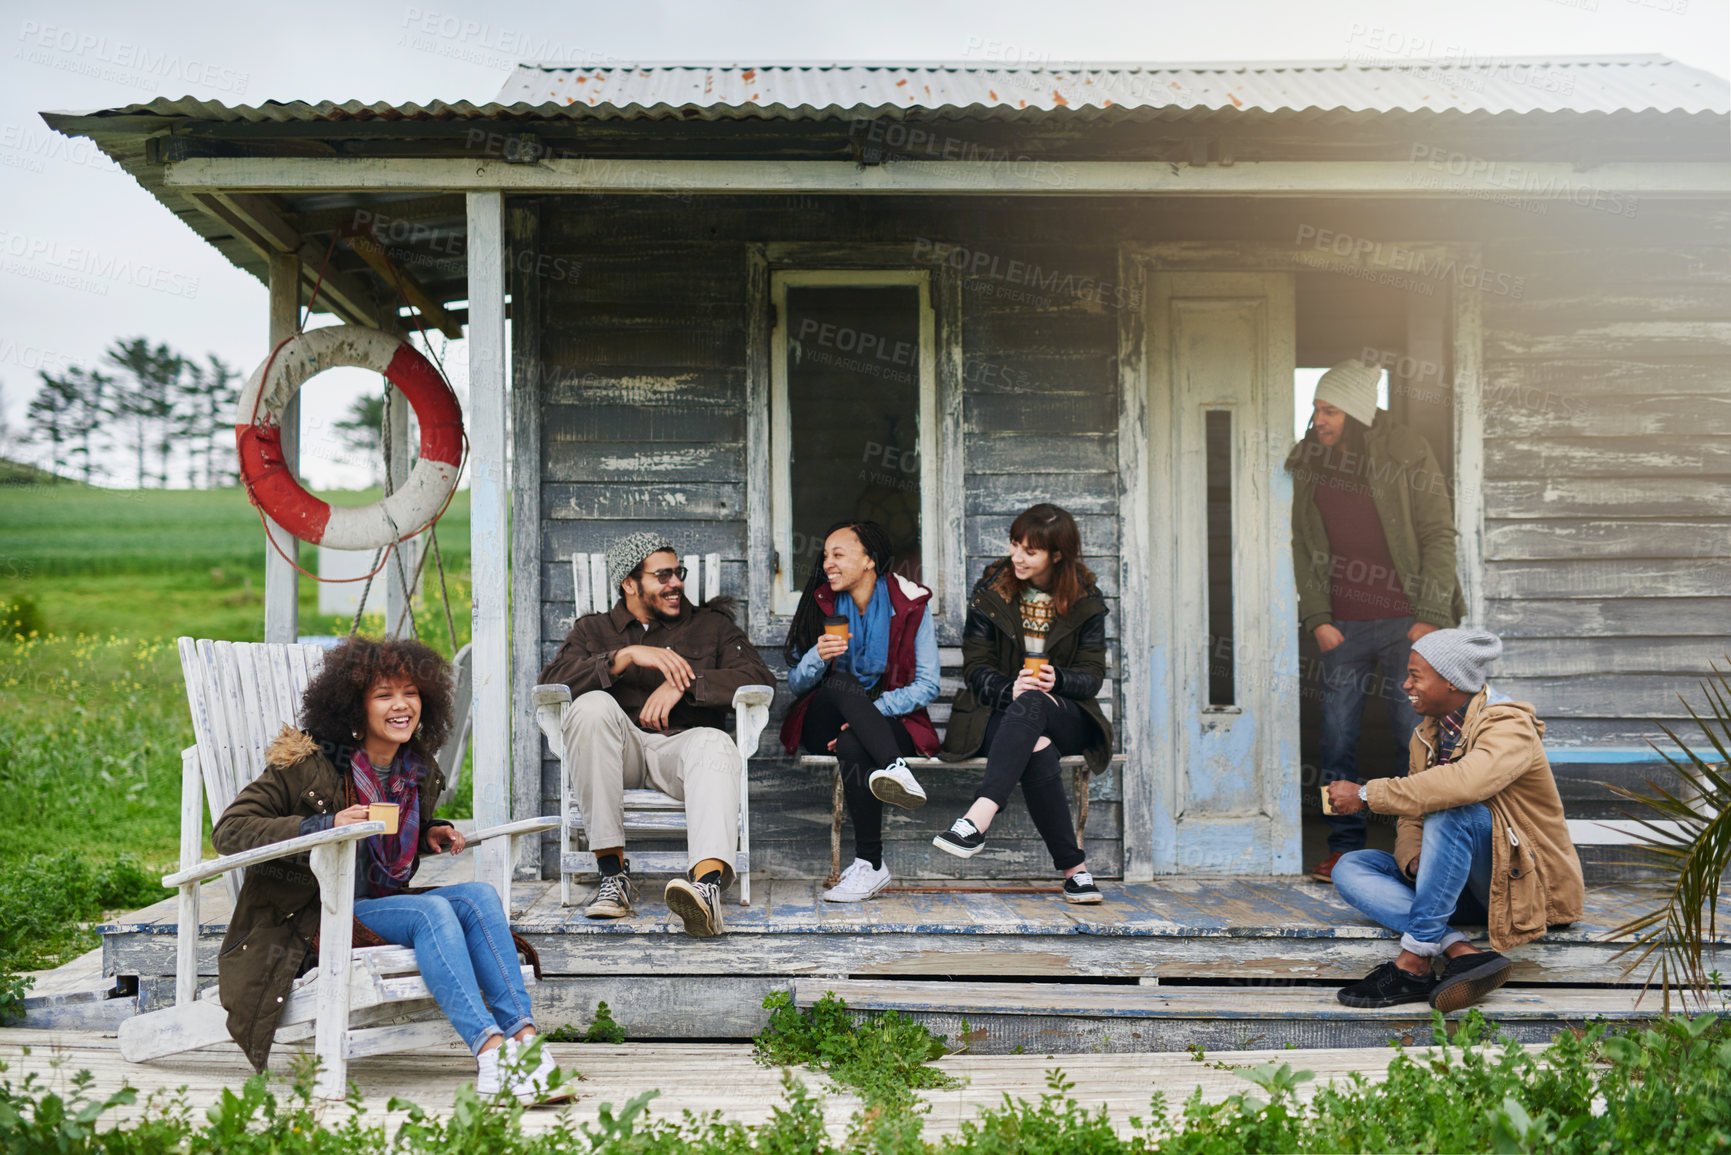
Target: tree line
149 399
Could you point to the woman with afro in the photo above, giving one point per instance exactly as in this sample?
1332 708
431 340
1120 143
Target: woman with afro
373 715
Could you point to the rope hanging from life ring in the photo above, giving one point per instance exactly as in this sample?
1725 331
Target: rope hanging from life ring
272 486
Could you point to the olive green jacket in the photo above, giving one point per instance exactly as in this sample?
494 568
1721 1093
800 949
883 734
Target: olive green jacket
992 656
1412 501
278 912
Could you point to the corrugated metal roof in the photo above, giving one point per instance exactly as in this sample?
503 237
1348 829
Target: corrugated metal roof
1561 84
1095 91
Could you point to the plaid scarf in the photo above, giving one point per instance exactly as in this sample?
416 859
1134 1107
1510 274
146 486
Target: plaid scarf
1448 735
388 860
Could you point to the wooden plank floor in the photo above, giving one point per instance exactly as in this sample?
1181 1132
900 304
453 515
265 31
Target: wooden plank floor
696 1077
1191 908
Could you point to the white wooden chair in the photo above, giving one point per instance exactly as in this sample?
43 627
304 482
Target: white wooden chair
358 1002
648 813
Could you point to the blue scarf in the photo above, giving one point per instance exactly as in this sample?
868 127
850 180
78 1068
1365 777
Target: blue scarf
387 861
868 650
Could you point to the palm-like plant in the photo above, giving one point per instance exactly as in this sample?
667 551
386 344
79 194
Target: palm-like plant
1686 836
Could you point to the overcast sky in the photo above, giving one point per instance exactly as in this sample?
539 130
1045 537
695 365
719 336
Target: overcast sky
58 193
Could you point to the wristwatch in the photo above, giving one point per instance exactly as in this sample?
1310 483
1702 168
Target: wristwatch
1364 794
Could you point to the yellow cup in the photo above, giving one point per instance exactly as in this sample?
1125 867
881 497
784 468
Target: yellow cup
386 812
1034 663
1327 806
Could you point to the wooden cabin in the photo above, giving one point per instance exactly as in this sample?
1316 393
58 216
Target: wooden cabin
734 303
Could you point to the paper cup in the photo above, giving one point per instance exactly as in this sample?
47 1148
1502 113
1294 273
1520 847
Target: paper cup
385 812
1034 663
1327 806
836 626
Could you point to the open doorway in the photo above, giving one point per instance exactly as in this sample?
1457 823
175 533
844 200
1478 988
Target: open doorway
1406 335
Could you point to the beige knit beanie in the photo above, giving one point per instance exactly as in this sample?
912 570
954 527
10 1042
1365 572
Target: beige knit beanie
1351 387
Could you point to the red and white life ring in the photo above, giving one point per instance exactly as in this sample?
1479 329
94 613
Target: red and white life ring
272 486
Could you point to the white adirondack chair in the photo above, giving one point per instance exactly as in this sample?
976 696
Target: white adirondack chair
648 813
358 1002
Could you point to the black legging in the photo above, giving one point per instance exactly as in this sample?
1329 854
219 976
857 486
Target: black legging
1010 758
870 742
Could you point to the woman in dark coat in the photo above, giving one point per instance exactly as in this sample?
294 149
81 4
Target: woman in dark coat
1041 603
374 714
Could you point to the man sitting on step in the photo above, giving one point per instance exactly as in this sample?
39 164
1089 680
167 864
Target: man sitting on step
1481 834
651 683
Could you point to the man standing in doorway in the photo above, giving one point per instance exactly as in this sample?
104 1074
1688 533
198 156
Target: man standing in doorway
1373 551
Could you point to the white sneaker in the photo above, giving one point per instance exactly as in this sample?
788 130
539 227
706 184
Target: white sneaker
487 1080
895 784
532 1087
858 882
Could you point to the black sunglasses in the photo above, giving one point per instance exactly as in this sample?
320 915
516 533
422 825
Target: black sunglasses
665 575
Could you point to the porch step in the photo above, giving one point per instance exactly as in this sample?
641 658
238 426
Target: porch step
1007 1018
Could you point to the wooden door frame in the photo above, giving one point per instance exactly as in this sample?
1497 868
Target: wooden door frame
1149 849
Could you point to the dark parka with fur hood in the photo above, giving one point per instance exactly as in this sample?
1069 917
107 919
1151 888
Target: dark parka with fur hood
992 655
278 912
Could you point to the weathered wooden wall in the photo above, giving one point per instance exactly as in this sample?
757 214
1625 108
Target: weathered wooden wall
1608 469
643 364
1607 455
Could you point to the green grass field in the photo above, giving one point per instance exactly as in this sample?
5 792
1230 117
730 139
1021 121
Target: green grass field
93 714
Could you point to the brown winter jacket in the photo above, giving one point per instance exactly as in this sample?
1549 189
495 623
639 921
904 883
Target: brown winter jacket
1535 873
722 660
278 912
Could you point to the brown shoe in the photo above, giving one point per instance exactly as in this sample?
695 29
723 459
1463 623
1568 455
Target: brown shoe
1324 870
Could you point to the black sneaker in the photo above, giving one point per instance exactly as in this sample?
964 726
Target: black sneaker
1079 887
963 839
1387 986
1468 978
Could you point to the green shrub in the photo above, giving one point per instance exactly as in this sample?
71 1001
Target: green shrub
43 899
882 1059
21 617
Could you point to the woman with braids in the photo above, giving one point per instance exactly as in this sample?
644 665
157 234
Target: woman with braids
863 694
1040 602
373 715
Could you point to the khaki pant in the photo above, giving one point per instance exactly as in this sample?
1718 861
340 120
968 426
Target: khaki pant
609 755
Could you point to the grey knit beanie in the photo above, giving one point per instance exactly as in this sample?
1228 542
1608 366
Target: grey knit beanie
624 555
1351 387
1461 656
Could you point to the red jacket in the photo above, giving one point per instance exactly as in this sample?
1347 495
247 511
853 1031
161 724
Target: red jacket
908 601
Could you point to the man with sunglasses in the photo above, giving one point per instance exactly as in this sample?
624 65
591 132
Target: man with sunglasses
651 683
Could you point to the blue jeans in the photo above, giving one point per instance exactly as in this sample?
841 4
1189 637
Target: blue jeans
1349 675
1454 877
463 946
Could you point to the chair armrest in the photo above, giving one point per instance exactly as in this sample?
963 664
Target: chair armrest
555 695
510 829
750 716
353 832
753 696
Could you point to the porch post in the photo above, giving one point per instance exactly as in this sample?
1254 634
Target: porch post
281 581
487 528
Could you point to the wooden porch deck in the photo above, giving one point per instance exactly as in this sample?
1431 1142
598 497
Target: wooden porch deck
1213 937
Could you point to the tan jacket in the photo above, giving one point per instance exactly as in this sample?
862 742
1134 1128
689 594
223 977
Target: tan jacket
1535 873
